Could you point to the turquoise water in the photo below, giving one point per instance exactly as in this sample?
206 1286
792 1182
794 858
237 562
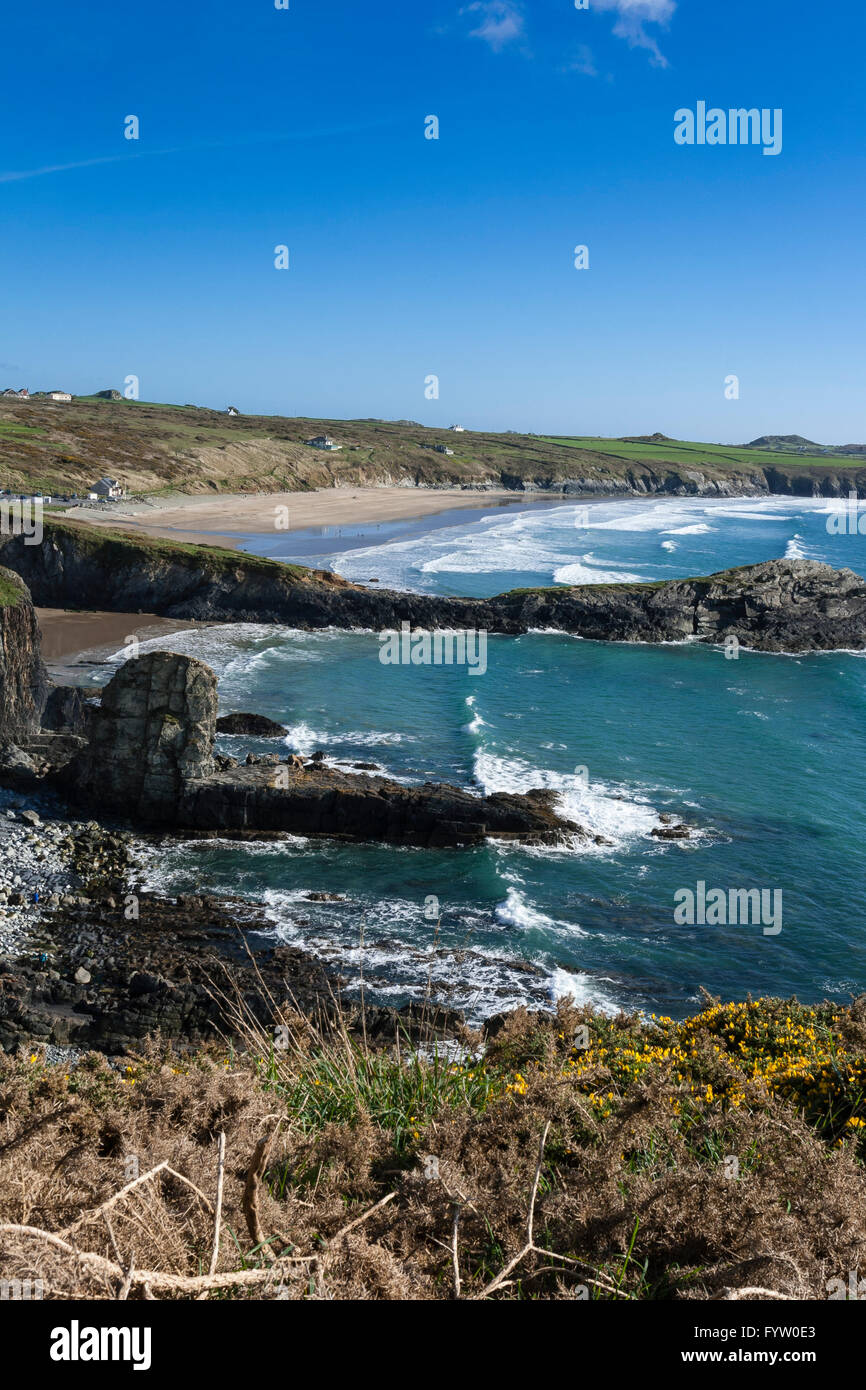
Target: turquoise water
763 756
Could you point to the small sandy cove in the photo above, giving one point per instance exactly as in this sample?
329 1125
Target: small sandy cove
76 643
226 520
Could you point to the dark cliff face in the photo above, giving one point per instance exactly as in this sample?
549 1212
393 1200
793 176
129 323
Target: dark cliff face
23 680
782 605
646 480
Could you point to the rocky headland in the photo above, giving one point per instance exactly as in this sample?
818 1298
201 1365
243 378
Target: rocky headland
781 605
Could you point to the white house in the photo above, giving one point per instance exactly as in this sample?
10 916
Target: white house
458 429
22 395
106 487
443 449
63 397
232 410
323 441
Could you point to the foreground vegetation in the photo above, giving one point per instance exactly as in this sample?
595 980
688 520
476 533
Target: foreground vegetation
578 1157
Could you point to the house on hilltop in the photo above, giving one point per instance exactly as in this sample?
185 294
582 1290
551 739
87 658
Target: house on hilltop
11 394
62 397
458 429
323 441
106 489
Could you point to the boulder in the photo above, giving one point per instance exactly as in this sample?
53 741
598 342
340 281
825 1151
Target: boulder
15 760
67 708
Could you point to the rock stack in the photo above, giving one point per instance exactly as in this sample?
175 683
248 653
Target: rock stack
151 738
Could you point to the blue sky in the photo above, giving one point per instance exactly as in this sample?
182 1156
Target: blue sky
411 257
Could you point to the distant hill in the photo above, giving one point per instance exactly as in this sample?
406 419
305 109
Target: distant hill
795 444
647 438
779 441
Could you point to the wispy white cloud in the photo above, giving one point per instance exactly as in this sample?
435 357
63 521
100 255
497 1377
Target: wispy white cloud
634 16
128 155
499 22
582 61
15 175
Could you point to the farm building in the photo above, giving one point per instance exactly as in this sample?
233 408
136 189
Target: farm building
106 487
323 441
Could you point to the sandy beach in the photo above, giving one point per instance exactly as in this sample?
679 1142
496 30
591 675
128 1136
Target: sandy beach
226 521
74 642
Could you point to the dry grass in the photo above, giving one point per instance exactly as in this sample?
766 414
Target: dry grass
547 1170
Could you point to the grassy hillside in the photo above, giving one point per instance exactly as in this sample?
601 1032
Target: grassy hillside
157 448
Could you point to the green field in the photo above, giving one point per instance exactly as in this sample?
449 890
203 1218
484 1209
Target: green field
687 452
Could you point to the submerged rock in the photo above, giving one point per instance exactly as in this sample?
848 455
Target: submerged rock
671 832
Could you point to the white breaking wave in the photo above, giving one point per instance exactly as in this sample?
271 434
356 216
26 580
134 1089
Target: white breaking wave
542 542
467 977
515 911
581 572
582 989
476 723
235 650
301 738
795 549
618 815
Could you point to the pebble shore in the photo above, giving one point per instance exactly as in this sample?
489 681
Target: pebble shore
40 864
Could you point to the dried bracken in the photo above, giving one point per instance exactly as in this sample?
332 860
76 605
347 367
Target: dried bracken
579 1157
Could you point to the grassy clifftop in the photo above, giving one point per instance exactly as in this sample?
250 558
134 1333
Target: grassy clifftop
12 589
126 545
156 448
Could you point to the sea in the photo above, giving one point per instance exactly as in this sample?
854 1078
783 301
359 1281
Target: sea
763 756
